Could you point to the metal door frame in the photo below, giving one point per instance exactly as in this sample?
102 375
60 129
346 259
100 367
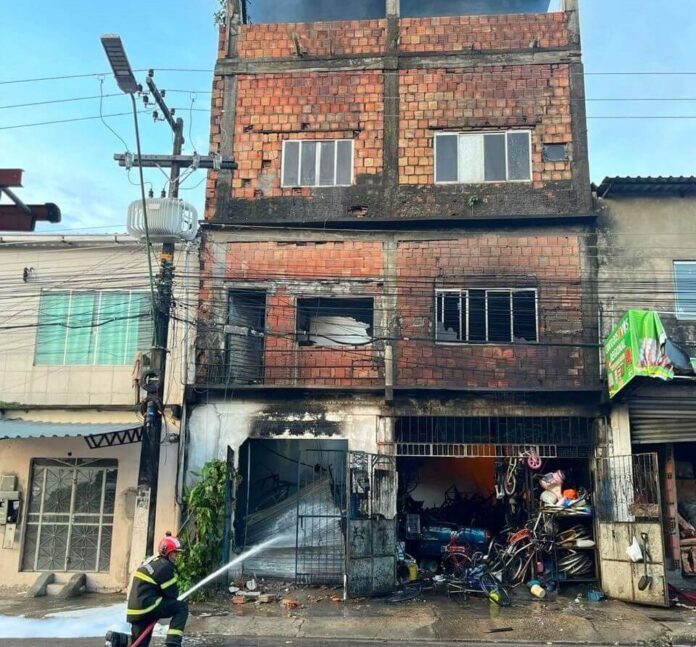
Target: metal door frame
371 534
320 518
617 508
73 465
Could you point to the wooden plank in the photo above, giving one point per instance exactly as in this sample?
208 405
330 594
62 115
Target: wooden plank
11 177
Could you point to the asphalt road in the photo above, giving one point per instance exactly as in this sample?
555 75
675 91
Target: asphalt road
227 641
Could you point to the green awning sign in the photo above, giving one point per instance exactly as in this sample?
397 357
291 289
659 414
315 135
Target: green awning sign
636 347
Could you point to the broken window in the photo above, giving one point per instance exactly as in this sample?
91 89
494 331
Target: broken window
501 316
317 163
472 158
246 323
335 321
271 11
476 7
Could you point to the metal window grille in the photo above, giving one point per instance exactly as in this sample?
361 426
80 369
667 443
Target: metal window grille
489 436
497 315
70 516
628 488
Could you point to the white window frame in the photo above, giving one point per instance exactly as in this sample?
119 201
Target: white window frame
681 316
317 162
464 321
461 135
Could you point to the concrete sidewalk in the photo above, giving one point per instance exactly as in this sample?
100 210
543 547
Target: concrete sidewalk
437 618
565 620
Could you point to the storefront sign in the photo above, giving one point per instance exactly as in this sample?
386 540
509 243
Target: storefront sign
636 347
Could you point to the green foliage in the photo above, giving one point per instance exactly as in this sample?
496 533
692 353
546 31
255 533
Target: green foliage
202 533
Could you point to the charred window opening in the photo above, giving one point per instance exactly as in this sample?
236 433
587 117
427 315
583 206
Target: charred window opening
245 330
495 316
335 321
414 8
272 11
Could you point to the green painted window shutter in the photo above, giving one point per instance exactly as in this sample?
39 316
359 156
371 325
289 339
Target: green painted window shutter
104 328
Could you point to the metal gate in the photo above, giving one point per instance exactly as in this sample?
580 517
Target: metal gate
70 516
371 551
321 516
628 506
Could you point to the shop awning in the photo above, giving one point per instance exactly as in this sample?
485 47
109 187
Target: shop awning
639 346
95 434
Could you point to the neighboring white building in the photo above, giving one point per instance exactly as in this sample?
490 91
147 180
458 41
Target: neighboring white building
75 315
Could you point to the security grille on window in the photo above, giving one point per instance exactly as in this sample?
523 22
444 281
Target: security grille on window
318 163
496 315
483 157
105 328
70 516
685 289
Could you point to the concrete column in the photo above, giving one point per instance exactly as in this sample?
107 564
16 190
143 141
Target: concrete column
393 7
620 442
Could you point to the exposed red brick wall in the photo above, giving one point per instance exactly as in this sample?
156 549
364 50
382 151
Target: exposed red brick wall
286 363
274 107
314 39
517 96
550 263
351 259
459 33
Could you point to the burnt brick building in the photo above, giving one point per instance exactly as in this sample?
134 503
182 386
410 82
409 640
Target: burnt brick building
403 262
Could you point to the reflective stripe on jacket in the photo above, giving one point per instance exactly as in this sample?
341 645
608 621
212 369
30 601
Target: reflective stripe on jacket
154 581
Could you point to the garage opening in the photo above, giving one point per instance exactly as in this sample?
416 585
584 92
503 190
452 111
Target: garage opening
293 489
468 483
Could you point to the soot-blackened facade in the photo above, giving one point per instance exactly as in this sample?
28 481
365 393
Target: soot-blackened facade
408 232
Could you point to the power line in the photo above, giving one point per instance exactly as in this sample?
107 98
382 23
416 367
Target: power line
65 121
520 100
95 74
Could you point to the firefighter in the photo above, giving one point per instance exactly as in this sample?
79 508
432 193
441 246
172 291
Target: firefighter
153 595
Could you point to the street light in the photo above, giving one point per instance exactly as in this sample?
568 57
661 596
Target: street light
113 46
148 471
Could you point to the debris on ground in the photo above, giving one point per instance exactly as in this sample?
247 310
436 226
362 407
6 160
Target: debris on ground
290 603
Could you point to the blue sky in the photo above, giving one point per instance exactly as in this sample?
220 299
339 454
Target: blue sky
71 163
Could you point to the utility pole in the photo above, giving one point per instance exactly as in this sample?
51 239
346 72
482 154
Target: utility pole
150 455
153 376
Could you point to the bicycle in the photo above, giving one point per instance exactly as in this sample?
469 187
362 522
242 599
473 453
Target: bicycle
475 580
464 572
512 563
478 580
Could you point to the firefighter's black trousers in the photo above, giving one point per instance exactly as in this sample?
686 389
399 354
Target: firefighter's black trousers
178 611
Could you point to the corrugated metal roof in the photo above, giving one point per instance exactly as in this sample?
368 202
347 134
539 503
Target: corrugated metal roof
649 186
12 429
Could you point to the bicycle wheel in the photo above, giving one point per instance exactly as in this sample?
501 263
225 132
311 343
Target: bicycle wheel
409 592
456 564
516 569
494 590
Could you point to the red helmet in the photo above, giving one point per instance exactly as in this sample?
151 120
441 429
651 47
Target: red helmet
169 545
